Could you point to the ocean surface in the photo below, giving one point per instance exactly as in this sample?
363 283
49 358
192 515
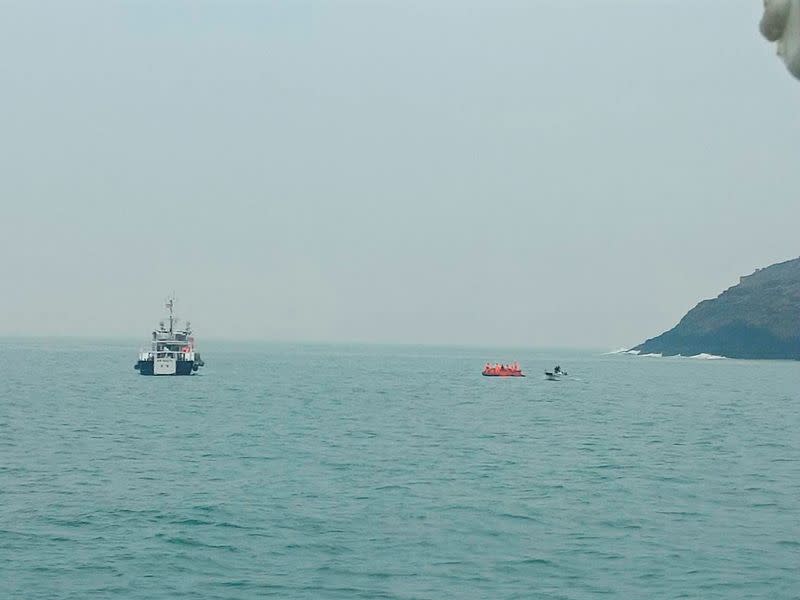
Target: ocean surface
395 472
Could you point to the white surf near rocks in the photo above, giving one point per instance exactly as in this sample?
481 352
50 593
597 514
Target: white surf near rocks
704 356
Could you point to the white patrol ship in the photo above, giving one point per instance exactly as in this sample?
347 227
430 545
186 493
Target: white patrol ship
172 351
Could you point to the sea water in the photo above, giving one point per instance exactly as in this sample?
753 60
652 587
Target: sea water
395 472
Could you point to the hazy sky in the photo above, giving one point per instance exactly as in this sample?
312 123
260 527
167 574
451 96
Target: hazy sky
442 171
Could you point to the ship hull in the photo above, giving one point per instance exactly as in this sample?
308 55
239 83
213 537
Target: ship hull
517 374
182 367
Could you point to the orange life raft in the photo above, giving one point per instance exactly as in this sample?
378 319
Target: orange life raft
502 371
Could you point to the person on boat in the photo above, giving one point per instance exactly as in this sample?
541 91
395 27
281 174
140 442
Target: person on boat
557 369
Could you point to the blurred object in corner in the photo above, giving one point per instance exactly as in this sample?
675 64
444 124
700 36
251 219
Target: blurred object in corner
781 24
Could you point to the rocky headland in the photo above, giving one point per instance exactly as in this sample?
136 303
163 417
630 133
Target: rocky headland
758 318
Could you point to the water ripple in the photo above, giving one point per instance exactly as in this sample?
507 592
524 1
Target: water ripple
395 473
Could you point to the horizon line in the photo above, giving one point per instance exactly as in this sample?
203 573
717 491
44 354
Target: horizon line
516 346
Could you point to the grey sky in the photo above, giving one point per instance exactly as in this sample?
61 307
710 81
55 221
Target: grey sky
535 173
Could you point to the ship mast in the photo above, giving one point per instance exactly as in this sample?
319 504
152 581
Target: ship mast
170 306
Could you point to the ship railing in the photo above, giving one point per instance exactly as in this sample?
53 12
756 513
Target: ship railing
176 354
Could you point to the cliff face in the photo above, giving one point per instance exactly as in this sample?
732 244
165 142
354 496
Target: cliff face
758 318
